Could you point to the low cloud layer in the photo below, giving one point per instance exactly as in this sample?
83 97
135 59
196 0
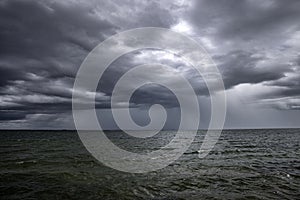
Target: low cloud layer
42 44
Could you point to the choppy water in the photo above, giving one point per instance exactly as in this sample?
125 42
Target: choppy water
245 164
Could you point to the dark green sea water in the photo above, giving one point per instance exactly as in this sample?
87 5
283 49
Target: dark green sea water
245 164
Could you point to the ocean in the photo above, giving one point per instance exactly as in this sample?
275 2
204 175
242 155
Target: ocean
244 164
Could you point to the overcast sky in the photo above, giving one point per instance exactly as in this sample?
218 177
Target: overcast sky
255 44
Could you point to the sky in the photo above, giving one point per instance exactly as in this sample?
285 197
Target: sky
255 45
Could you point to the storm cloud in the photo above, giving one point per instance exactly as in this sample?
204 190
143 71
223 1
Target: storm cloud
43 43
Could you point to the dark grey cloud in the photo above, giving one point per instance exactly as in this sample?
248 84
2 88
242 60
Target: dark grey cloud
151 93
12 116
254 43
34 29
8 74
48 39
43 43
286 94
240 67
247 20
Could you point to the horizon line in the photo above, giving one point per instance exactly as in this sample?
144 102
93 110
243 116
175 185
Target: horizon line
225 129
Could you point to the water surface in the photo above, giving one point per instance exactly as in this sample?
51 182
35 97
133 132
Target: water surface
245 164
